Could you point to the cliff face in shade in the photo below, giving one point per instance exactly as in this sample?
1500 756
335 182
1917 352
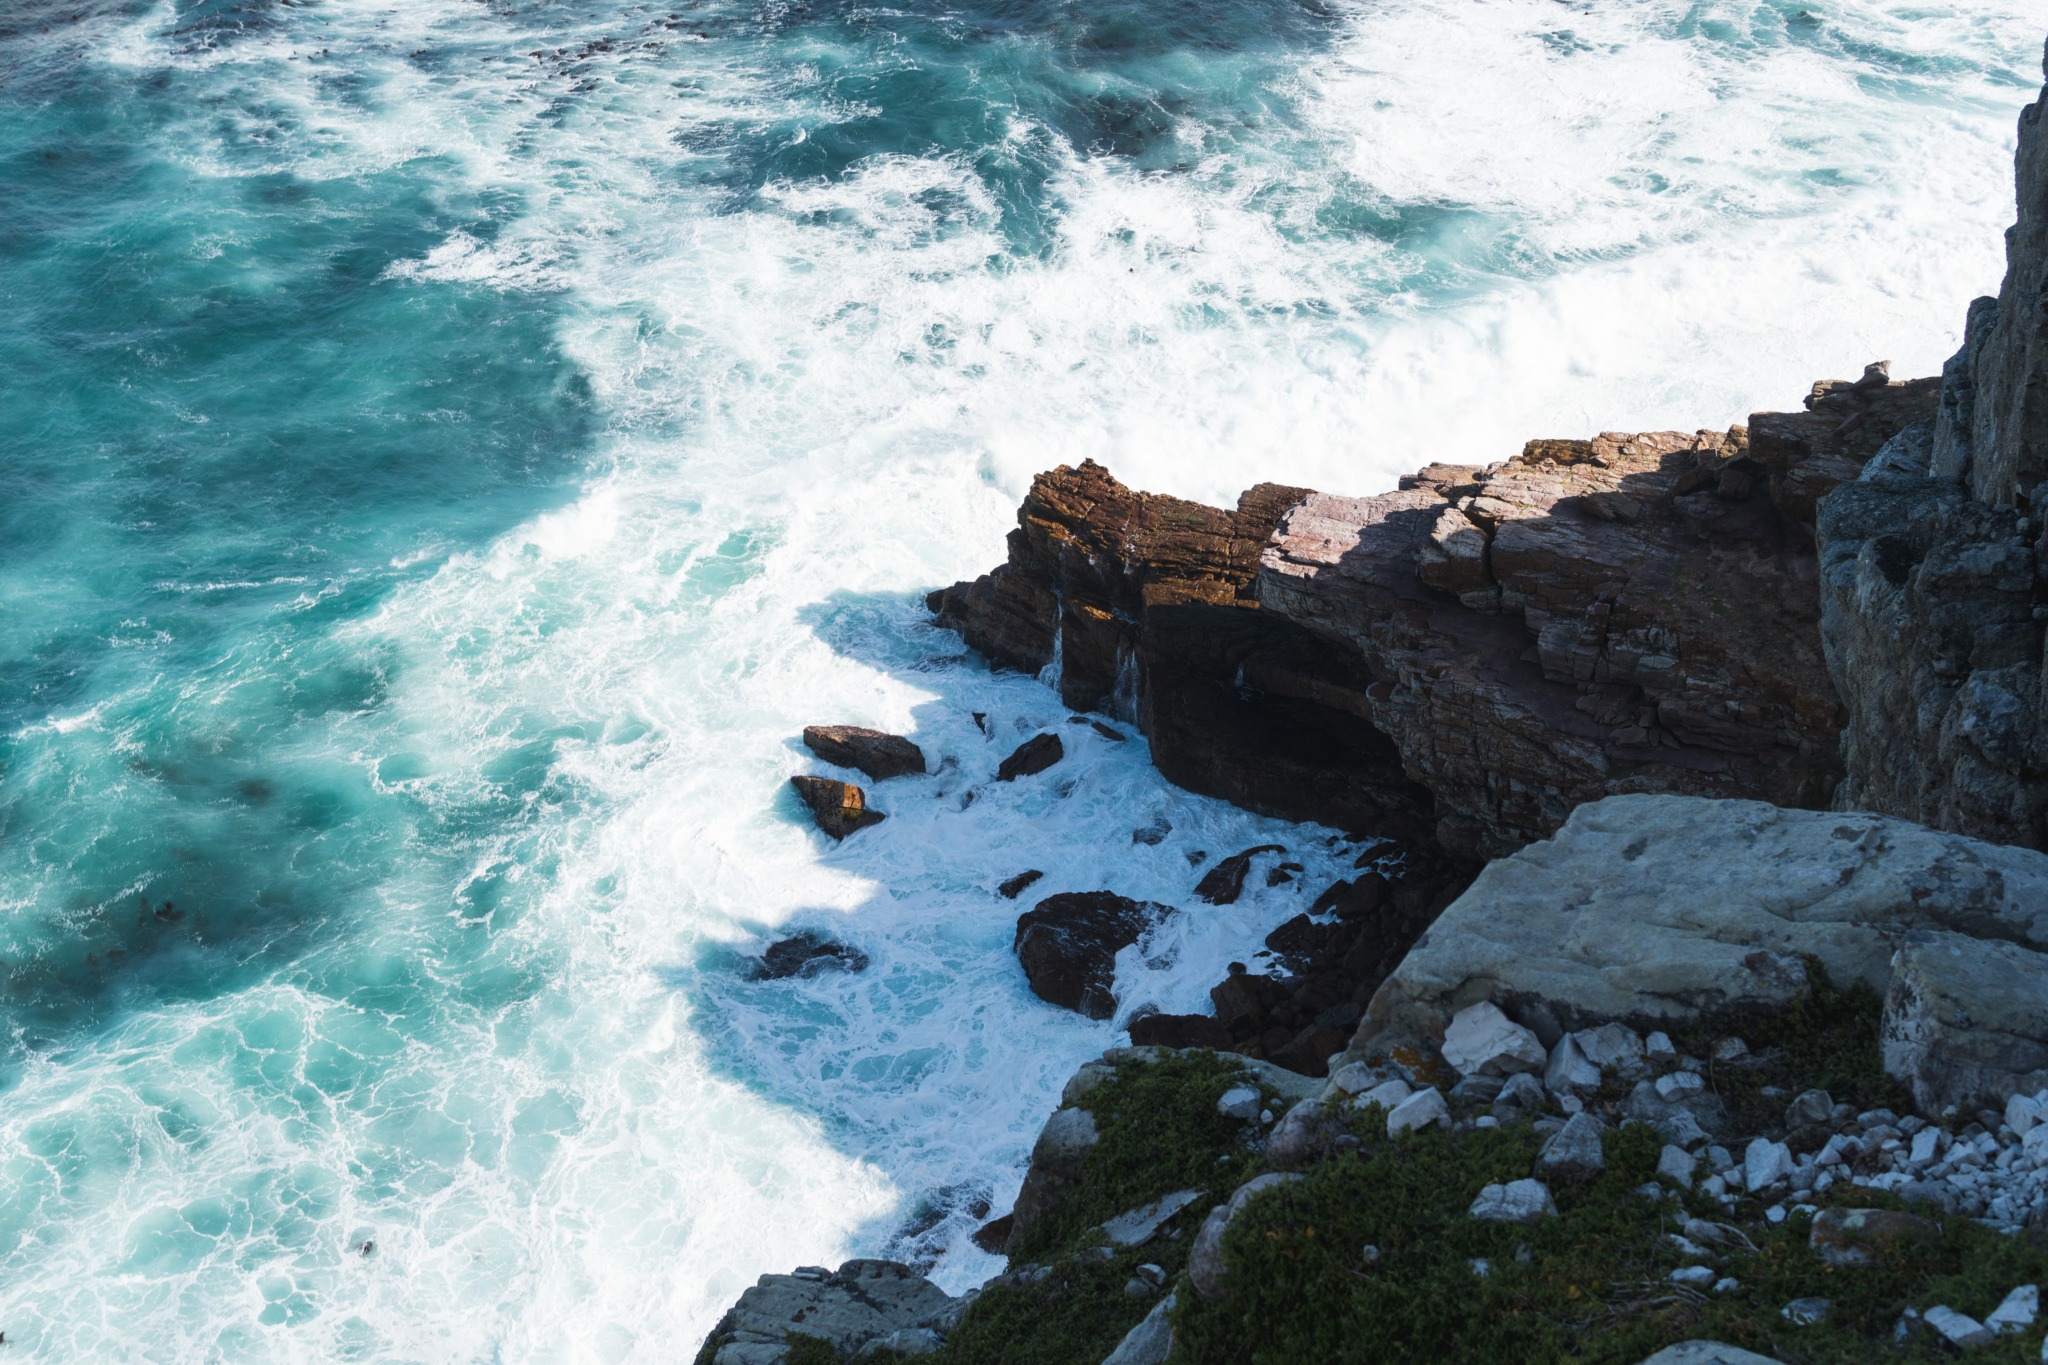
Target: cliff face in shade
1933 559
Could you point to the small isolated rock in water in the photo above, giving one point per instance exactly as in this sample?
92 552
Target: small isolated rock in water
1574 1151
1419 1110
840 808
1205 1259
1518 1201
2017 1310
1224 883
1068 944
1481 1041
807 954
1034 755
1844 1237
879 755
1240 1102
1959 1329
1806 1312
1151 1341
1153 833
1019 884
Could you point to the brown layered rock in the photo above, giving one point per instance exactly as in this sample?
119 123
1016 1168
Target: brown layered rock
879 755
1142 606
1633 613
840 808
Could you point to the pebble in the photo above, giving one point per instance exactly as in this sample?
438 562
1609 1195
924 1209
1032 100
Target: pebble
1695 1276
1727 1285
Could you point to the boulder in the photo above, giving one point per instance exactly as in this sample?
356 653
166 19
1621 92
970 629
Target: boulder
1648 909
1305 1134
1150 1342
1706 1353
1518 1201
1016 886
840 808
1206 1267
862 1303
1065 1141
1068 944
1142 1224
807 954
1966 1020
1575 1152
1423 1109
1224 883
879 755
1848 1237
1178 1031
1033 756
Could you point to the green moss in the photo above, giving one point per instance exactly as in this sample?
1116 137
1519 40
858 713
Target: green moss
1079 1313
1159 1132
808 1350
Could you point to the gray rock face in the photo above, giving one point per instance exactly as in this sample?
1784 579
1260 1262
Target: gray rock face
1063 1144
1706 1353
1651 908
1929 562
1966 1020
1150 1342
1141 1224
861 1303
1575 1152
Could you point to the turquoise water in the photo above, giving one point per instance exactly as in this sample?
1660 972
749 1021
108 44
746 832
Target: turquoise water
450 449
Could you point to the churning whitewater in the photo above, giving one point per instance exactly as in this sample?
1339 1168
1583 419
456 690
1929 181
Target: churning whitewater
451 449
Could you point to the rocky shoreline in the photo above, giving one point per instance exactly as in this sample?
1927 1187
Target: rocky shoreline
1694 975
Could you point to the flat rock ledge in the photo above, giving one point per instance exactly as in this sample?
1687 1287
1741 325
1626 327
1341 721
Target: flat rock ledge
865 1305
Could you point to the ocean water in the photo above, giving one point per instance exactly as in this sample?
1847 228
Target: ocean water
450 448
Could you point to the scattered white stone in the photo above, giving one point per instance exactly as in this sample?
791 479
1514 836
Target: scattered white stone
1806 1312
1524 1091
1240 1102
2035 1144
1387 1094
1351 1079
1480 1266
1481 1041
1574 1152
1959 1328
1765 1162
1266 1116
1679 1085
1713 1187
1139 1225
1676 1165
1775 1213
1371 1254
1657 1047
1727 1285
2017 1310
1569 1072
1611 1047
1695 1276
1924 1143
1486 1121
1570 1105
1518 1201
1729 1049
2022 1112
1419 1110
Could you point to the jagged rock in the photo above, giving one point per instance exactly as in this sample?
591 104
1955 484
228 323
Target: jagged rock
1568 1072
1613 1047
1677 1165
1178 1031
1068 944
1958 1329
1929 565
1065 1141
1224 883
840 808
879 755
1653 908
1033 756
1206 1268
1423 1109
1966 1020
1305 1134
852 1308
1240 1102
994 1235
1764 1163
2017 1310
806 954
1019 884
1481 1041
1575 1151
1142 1224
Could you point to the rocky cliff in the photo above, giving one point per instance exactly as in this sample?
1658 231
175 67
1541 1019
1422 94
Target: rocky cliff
1933 610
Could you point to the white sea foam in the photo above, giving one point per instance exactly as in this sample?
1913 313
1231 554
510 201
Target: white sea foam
818 405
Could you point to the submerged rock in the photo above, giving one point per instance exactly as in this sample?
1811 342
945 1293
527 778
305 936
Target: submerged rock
807 954
1068 944
840 808
879 755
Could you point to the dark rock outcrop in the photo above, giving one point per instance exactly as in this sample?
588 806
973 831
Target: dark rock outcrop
863 1304
1224 883
879 755
840 808
1933 609
806 954
1068 944
1016 886
1032 757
